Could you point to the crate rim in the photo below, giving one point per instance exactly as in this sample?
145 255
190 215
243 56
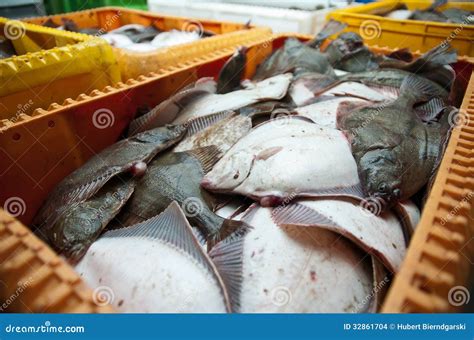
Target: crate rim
133 10
40 113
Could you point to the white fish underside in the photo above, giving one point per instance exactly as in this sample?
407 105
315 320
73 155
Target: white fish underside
302 270
153 278
271 88
285 157
381 235
301 95
325 112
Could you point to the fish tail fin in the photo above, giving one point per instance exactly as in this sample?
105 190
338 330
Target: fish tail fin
416 89
227 256
331 27
229 228
438 56
436 4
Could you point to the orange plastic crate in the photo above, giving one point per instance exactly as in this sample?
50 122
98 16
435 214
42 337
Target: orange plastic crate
134 64
439 258
36 280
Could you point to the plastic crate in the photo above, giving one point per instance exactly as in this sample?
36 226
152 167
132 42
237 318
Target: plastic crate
394 33
436 248
133 64
50 66
35 279
61 6
278 19
21 8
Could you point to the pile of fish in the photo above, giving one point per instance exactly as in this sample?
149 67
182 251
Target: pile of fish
135 37
287 192
433 13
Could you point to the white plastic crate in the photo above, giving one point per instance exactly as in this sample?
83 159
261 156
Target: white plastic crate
278 19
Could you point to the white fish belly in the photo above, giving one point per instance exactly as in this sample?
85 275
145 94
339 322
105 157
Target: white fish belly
302 270
145 276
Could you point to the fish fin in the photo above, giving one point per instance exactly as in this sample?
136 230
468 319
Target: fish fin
417 88
404 219
438 56
199 237
228 228
431 110
354 192
345 108
172 227
208 156
445 76
298 214
435 5
430 61
403 54
144 122
49 215
331 27
200 123
380 286
446 129
227 255
167 111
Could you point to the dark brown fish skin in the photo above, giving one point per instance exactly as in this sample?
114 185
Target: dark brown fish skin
394 150
392 78
80 224
232 72
120 157
177 177
296 57
299 57
173 177
430 13
331 27
457 15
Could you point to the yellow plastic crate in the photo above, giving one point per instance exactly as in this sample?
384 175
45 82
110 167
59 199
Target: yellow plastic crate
50 66
395 33
134 64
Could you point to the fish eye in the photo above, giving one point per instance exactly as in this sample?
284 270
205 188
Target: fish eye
383 187
397 193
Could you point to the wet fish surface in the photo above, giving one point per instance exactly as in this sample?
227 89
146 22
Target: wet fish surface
276 160
156 266
176 176
126 156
